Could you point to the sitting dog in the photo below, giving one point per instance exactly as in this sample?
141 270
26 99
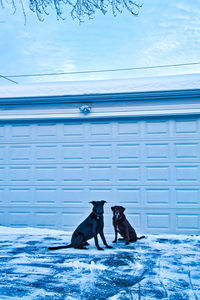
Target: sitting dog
122 226
89 228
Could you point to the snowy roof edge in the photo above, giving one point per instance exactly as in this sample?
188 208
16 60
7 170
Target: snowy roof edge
100 87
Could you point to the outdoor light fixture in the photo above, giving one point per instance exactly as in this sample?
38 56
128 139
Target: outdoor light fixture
85 109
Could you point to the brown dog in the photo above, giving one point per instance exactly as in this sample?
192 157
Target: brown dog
122 226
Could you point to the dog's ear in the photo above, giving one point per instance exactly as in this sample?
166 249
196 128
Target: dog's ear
123 209
112 208
103 201
93 202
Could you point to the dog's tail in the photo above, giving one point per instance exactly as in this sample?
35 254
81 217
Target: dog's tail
60 247
141 237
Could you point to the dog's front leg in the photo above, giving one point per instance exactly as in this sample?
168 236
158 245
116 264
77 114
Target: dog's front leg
97 243
115 240
127 239
104 240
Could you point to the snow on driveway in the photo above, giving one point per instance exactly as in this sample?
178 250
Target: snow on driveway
158 267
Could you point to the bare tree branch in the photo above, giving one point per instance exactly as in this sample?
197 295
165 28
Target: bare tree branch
79 8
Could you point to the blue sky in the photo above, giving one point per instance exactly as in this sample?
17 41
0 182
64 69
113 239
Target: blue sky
165 32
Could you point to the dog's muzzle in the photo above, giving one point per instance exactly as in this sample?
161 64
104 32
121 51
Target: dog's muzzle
117 216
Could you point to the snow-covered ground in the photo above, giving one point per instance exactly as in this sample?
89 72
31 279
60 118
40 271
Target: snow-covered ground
157 267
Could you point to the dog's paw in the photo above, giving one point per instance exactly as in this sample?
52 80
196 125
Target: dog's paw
100 248
109 247
114 241
127 243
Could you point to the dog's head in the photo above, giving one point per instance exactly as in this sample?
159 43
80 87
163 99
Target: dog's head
98 206
117 211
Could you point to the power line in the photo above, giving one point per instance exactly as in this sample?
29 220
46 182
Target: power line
101 71
5 77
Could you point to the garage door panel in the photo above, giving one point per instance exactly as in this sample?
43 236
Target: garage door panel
46 196
3 195
71 153
46 153
20 217
47 219
100 193
3 218
108 225
3 135
3 175
20 154
100 174
128 129
46 131
187 222
20 174
157 151
157 129
100 153
73 174
20 195
157 174
128 152
186 174
186 128
45 174
69 220
20 132
72 196
127 196
73 130
126 174
100 129
135 219
3 154
187 151
187 197
158 222
157 197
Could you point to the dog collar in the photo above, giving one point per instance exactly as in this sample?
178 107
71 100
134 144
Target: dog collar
121 219
98 215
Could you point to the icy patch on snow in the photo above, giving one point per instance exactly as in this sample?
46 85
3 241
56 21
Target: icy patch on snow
173 236
31 270
31 231
122 295
82 265
39 294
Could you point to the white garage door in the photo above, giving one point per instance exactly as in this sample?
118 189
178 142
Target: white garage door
50 171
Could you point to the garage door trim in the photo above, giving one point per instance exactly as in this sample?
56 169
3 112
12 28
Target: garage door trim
173 103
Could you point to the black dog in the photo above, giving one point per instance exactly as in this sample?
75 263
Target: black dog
122 226
89 228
